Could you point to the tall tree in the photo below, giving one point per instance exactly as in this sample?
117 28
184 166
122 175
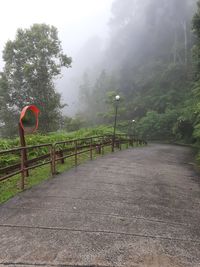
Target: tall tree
196 60
32 62
196 48
8 114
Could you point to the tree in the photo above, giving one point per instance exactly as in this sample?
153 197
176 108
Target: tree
196 48
8 113
196 60
149 58
32 62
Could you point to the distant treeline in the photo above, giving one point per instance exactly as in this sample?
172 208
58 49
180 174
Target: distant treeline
152 61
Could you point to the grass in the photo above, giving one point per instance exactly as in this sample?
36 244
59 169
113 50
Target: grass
11 186
36 139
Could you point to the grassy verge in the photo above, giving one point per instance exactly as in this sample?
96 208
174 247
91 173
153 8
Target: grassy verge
11 187
50 138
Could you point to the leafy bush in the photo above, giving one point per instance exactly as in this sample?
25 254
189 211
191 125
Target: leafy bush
157 126
36 139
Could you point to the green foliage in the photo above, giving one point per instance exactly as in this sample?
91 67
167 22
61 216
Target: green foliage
72 124
32 62
196 48
150 65
97 99
36 139
157 126
195 105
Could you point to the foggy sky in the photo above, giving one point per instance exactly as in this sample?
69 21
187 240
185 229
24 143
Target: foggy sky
76 20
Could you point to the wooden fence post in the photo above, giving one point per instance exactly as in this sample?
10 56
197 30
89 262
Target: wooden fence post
75 152
120 143
91 148
52 160
22 168
62 161
113 144
23 144
127 141
102 141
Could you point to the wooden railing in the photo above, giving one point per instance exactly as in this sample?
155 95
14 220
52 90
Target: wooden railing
60 151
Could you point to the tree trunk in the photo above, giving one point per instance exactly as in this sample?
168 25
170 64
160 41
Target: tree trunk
185 42
175 46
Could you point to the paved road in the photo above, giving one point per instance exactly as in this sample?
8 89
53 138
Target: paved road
138 207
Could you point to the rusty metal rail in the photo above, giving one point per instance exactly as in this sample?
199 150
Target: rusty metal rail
60 151
24 165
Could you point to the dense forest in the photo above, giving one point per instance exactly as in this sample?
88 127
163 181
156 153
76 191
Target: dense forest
151 61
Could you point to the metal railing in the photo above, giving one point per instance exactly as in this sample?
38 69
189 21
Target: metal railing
24 164
60 151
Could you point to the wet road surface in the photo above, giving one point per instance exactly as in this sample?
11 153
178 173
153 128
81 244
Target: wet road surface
137 207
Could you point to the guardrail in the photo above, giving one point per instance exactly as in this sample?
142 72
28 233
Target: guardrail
60 151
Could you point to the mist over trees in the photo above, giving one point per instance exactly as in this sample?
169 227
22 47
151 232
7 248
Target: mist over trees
150 62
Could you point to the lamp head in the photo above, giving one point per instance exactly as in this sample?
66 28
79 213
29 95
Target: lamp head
117 98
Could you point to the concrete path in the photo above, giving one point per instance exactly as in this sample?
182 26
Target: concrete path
138 207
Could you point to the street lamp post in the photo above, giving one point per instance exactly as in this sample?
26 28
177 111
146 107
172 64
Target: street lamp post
133 136
117 98
133 121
